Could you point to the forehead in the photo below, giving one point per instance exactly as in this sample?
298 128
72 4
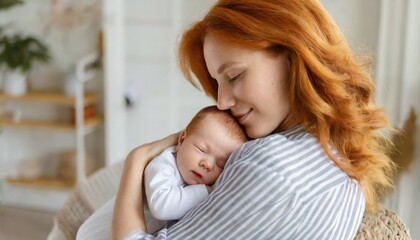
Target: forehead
213 44
215 134
210 120
217 52
210 126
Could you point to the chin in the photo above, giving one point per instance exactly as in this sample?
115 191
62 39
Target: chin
191 182
257 133
254 135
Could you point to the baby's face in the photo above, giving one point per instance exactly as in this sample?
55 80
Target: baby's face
202 154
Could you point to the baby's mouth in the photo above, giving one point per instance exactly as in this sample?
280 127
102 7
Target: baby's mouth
197 175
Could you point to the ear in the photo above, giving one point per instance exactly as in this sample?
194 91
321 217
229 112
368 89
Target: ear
181 138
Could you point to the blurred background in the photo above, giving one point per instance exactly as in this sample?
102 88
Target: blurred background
118 58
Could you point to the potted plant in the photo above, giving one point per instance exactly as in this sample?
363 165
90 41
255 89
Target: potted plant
18 53
9 3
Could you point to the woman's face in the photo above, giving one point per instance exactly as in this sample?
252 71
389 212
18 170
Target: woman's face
251 84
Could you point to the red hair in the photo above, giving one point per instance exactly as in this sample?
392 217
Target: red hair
330 92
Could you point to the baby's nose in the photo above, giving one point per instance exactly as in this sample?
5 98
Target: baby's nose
206 165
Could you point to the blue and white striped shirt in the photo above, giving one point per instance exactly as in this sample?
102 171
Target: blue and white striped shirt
282 186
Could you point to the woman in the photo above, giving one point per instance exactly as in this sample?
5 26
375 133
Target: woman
285 71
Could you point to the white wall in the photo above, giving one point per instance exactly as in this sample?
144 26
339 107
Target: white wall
358 20
166 102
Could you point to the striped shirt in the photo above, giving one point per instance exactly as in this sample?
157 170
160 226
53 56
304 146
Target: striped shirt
282 186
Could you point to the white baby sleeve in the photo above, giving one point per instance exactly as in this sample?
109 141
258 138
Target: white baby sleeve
168 198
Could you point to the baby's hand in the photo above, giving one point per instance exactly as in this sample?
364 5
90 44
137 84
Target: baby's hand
210 188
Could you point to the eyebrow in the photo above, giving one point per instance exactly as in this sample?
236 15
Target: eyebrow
224 66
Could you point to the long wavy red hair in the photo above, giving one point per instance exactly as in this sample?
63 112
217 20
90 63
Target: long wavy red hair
330 92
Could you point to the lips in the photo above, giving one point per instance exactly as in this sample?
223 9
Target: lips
242 116
197 175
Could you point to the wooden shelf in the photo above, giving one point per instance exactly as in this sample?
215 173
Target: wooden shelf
42 182
89 124
51 97
39 192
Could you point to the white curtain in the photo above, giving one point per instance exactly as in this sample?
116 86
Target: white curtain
398 89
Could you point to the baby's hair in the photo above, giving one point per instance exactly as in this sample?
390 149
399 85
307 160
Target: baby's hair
226 119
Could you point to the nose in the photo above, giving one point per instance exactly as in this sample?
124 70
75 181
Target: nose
225 98
206 164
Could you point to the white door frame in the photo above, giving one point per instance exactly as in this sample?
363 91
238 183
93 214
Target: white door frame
114 81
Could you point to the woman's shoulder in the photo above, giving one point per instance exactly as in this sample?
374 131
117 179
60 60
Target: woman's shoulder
283 142
275 148
295 155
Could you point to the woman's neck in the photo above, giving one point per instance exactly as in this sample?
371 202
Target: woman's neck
288 123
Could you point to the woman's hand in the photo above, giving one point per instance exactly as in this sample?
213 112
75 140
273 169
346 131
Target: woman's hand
145 153
128 215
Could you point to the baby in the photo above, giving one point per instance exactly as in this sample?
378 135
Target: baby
181 176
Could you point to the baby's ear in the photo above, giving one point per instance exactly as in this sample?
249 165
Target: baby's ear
181 138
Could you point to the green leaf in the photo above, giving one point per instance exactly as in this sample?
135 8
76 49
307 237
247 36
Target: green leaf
18 52
4 4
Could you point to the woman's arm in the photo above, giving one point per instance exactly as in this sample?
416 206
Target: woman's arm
128 215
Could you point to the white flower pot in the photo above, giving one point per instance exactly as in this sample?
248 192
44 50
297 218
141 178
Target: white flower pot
15 83
70 84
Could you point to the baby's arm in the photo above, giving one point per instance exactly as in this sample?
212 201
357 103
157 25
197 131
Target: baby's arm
167 199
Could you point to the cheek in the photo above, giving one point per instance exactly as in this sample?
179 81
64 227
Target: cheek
265 96
279 87
266 86
213 177
181 159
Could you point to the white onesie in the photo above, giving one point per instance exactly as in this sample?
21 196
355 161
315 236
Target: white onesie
168 198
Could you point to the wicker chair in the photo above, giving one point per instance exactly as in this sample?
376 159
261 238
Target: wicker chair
102 185
383 224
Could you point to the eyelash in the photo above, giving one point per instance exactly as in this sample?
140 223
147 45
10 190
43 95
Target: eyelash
200 149
235 78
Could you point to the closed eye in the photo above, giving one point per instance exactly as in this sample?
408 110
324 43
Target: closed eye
200 149
235 78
